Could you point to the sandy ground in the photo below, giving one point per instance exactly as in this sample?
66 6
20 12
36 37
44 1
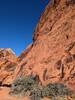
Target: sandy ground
4 95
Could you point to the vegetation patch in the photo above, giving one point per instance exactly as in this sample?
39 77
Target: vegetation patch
31 87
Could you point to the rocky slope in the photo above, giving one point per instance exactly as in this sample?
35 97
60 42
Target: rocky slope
51 56
7 65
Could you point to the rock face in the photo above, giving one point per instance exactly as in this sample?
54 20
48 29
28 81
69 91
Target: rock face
7 65
52 53
51 56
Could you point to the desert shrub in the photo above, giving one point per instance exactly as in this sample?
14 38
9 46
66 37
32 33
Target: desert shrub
36 94
23 84
29 86
54 90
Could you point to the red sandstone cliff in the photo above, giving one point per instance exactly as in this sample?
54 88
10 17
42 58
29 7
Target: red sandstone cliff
51 56
7 65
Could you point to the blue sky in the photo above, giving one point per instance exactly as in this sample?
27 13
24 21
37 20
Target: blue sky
18 19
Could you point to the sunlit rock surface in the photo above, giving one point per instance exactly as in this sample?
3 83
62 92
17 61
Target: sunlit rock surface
51 56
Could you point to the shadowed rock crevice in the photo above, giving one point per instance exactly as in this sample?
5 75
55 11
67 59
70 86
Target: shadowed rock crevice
5 85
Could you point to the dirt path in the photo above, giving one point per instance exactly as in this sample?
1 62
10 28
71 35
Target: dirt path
4 95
